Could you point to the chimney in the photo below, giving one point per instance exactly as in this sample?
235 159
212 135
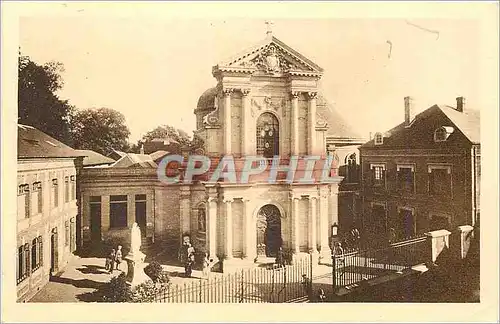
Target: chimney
409 111
460 104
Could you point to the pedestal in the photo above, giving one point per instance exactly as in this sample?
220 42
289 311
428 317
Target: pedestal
135 268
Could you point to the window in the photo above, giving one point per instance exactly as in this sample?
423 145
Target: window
379 139
352 169
378 173
66 233
405 225
55 193
23 193
23 262
37 190
440 180
442 133
118 211
439 222
73 187
406 178
202 219
36 253
66 189
267 135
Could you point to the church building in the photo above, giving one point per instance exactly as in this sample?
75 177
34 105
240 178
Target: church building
266 102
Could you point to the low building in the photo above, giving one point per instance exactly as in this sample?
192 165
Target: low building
424 174
47 212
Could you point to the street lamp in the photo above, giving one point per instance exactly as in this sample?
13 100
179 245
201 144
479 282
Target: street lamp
335 229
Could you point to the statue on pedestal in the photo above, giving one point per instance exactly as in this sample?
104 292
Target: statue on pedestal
135 258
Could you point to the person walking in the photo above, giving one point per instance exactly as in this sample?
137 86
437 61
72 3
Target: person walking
118 257
111 257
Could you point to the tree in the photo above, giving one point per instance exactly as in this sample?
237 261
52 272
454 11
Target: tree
100 130
178 136
170 132
38 104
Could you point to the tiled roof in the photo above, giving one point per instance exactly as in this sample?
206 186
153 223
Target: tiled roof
337 127
33 143
93 158
421 130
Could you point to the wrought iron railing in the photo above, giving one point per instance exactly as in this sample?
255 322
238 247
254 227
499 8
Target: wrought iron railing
268 284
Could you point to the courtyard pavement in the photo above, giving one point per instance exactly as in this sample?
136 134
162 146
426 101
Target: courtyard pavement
86 274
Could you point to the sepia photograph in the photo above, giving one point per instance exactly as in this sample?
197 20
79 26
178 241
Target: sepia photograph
251 153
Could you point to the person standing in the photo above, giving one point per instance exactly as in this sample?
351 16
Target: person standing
188 268
118 257
207 266
111 258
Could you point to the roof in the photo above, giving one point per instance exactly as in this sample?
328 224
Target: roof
135 160
33 143
420 133
158 155
93 158
206 100
469 122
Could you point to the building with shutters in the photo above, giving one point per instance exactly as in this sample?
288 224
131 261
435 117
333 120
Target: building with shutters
47 211
424 174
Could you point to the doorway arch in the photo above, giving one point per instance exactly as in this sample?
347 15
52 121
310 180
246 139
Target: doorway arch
268 228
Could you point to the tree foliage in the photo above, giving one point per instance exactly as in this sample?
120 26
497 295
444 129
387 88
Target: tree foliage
38 103
178 136
100 130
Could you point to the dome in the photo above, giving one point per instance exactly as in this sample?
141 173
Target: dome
206 100
337 126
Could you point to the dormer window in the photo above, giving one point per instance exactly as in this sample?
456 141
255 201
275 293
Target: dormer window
379 139
442 133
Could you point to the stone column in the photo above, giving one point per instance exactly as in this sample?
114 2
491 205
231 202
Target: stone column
229 228
324 229
296 228
245 119
212 227
185 211
294 138
105 214
312 123
227 120
250 232
312 225
334 205
130 210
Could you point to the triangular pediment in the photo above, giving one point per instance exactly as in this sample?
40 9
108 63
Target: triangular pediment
271 56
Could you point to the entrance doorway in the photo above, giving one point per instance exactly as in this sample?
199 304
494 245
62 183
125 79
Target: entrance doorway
95 218
268 231
54 255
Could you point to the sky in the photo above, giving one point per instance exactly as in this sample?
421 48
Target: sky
153 69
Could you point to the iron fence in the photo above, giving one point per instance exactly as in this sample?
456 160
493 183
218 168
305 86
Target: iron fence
268 284
354 266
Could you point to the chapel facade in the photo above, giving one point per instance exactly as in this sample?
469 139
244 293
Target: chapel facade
266 102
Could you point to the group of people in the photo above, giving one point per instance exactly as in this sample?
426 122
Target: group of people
187 257
114 259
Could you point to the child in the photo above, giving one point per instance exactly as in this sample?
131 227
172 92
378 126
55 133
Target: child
111 258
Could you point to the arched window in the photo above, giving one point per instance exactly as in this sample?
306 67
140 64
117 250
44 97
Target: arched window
352 168
202 219
267 135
